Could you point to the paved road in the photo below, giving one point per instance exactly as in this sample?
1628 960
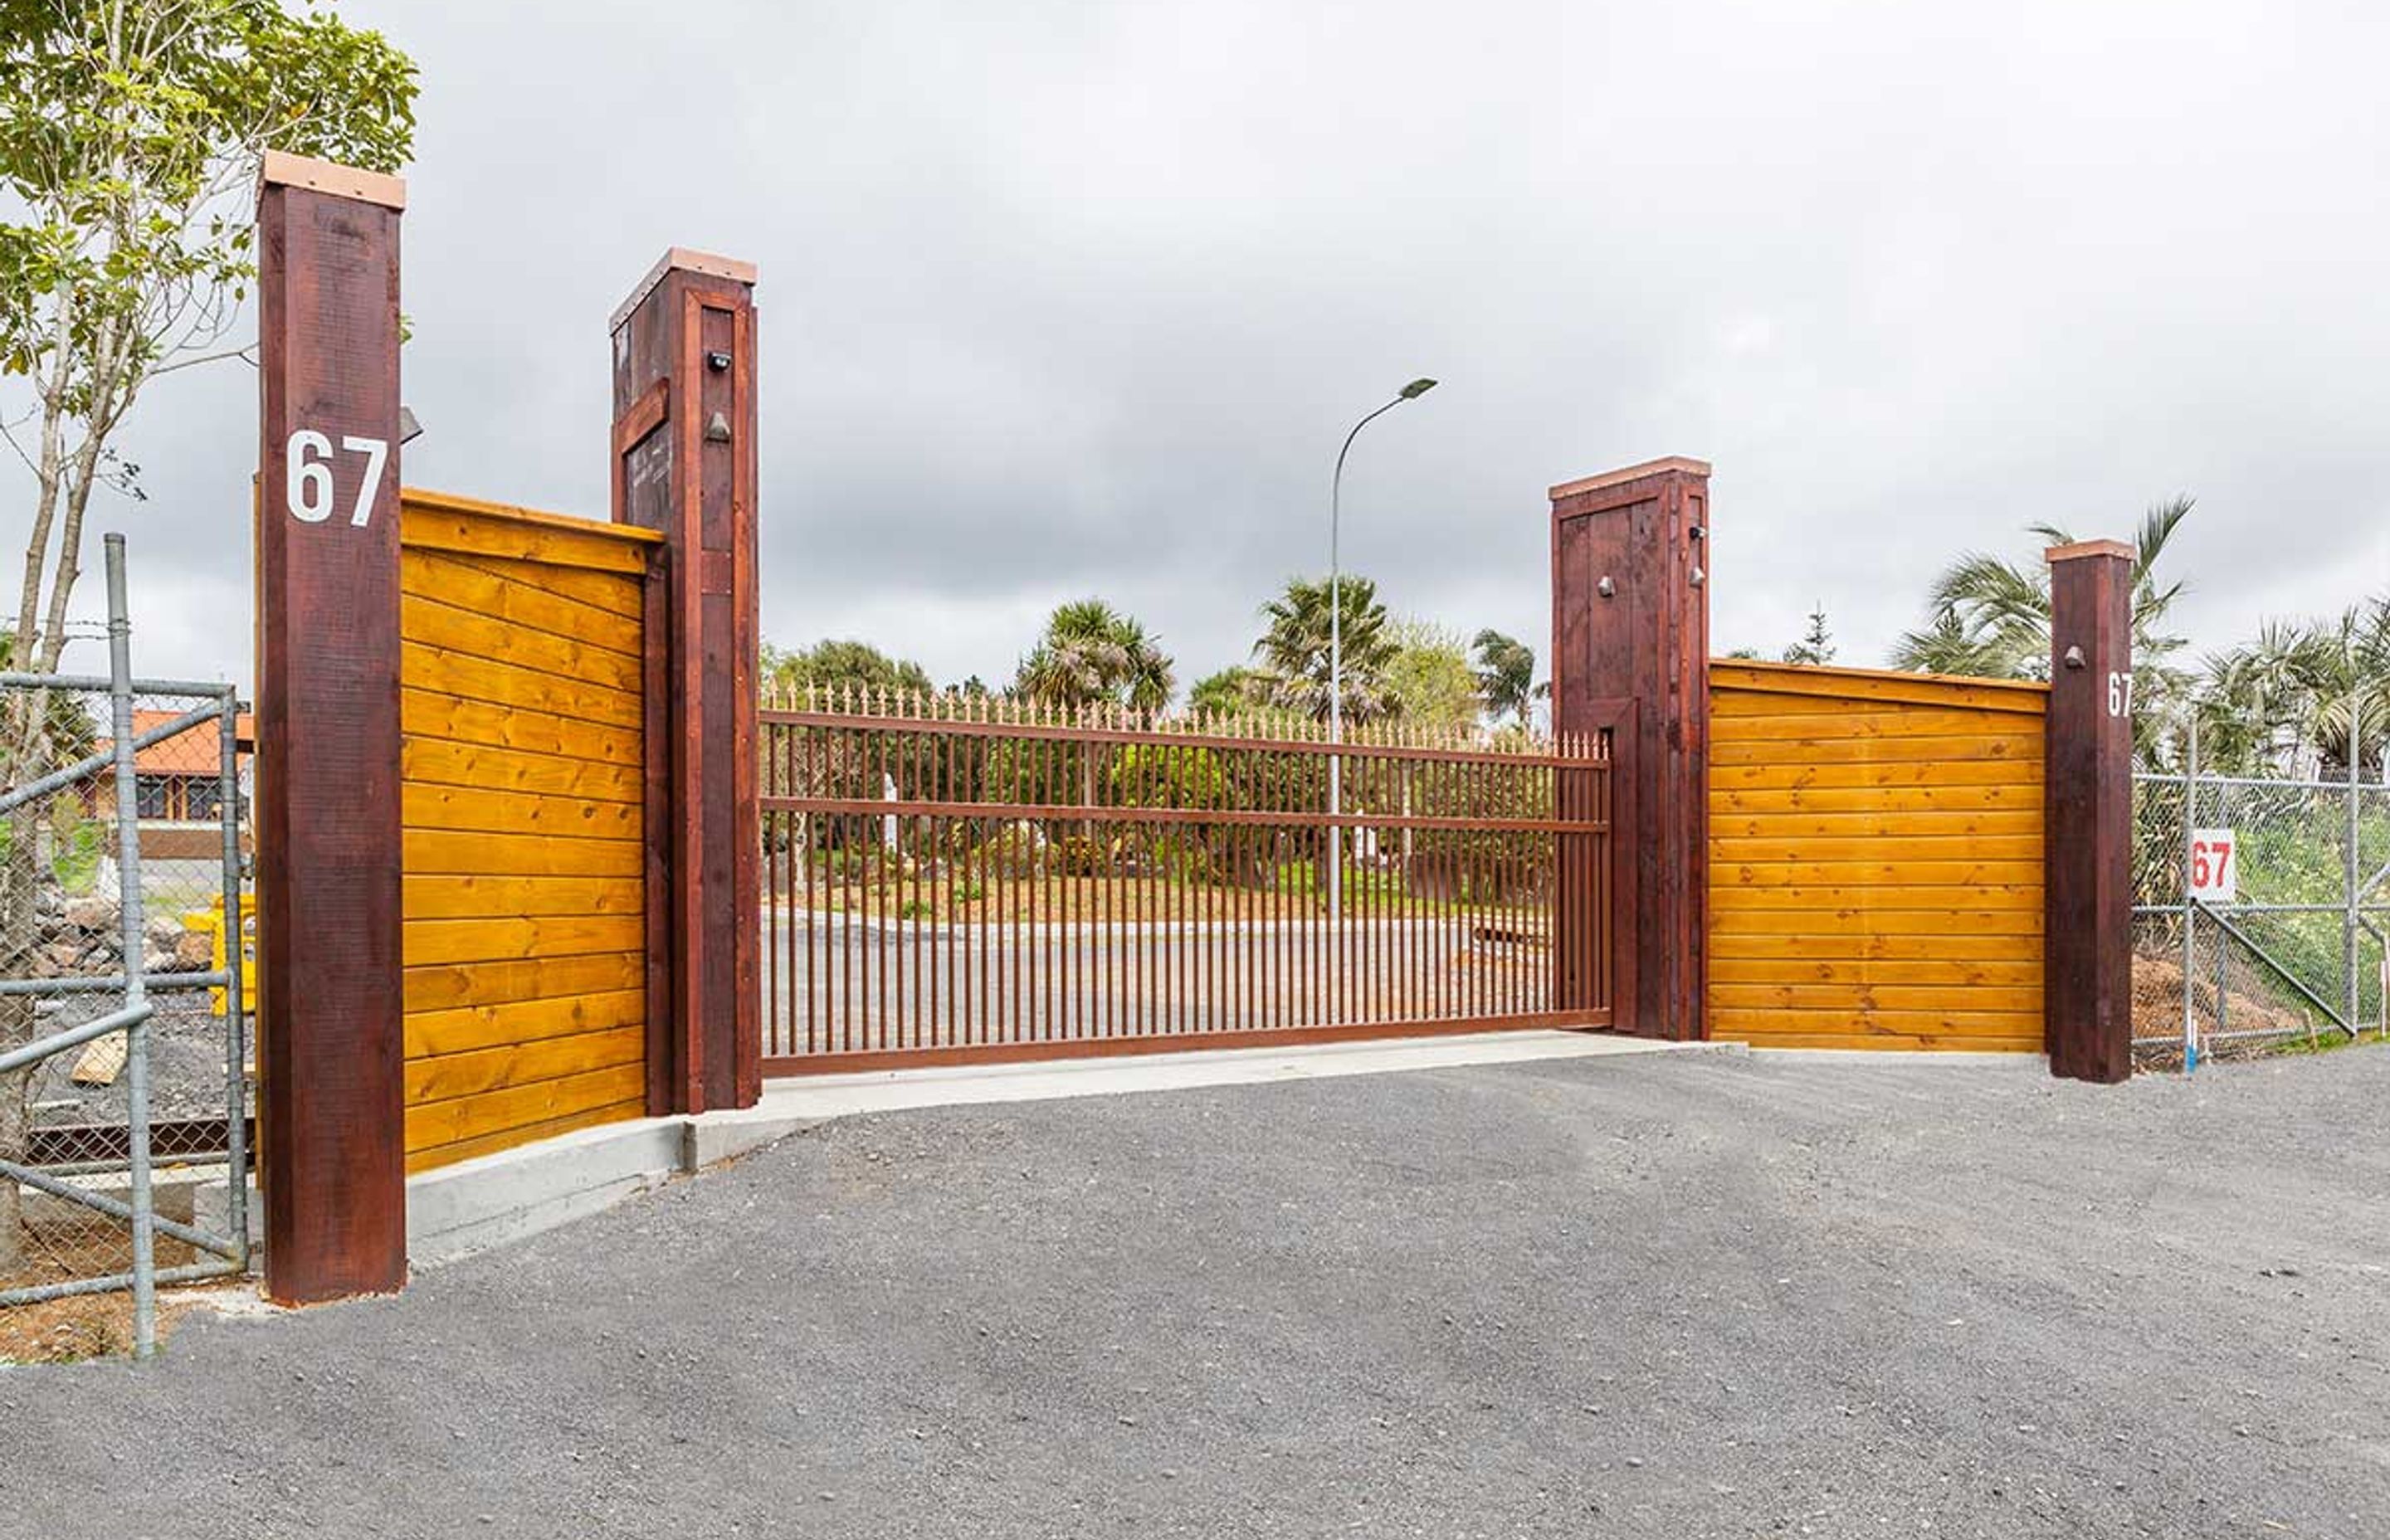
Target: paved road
1669 1296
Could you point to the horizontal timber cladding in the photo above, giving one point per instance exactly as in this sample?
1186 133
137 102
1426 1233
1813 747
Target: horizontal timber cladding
1876 859
523 794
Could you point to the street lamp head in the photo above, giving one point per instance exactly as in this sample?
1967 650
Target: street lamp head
1417 388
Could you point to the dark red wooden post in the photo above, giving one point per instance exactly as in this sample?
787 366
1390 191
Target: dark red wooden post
332 1141
1630 655
683 463
2087 941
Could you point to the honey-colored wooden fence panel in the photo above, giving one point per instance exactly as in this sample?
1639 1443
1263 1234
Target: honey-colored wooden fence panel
1875 859
523 702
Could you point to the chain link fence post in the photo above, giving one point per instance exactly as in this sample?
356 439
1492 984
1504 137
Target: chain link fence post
133 927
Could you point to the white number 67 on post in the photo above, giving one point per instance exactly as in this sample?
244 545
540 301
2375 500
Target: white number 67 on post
307 475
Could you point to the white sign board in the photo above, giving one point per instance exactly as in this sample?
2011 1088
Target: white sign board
2214 866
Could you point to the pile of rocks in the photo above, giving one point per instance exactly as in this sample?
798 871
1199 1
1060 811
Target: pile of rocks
76 936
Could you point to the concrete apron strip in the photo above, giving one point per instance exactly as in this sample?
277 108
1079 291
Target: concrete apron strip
473 1205
815 1097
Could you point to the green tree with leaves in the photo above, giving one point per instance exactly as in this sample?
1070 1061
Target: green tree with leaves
832 665
1430 677
130 139
130 136
1228 691
1294 650
1505 676
1092 654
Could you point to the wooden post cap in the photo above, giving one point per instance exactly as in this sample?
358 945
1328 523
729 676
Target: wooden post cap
2082 548
1682 464
281 170
681 258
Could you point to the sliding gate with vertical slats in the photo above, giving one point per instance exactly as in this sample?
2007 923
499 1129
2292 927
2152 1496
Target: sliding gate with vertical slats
958 879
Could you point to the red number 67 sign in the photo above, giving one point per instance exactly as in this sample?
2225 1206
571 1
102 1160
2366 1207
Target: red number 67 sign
2214 866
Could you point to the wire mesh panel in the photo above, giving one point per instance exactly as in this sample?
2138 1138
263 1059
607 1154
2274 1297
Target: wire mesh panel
954 878
2259 911
124 1103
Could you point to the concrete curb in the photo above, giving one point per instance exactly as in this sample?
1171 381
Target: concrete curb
492 1200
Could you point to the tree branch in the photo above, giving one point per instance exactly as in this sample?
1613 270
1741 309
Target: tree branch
242 352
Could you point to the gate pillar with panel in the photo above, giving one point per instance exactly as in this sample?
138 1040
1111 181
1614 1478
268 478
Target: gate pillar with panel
1630 650
330 1151
2087 1008
684 465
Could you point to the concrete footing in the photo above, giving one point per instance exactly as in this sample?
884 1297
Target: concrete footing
487 1201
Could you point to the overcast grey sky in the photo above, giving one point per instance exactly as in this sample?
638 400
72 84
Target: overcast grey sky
1071 298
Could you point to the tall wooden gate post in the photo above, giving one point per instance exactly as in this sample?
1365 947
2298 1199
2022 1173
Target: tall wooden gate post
2087 939
331 1143
1630 655
684 464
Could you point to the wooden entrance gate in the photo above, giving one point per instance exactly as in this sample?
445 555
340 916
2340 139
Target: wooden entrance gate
958 879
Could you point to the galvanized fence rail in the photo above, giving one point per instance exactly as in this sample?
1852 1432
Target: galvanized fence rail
957 877
110 1007
2295 948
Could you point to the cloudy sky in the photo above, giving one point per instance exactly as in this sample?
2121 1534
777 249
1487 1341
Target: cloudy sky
1061 299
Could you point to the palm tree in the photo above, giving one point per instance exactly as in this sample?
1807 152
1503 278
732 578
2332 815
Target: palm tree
2283 702
1506 675
1293 650
1091 654
1990 618
2345 666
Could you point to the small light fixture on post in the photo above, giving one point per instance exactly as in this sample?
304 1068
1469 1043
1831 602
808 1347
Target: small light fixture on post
1411 392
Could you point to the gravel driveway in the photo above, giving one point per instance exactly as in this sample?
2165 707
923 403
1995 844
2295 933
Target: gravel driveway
1673 1296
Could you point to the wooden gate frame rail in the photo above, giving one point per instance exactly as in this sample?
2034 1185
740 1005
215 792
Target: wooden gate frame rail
332 1097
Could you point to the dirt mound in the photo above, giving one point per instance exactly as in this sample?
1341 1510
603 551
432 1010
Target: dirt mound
2247 1005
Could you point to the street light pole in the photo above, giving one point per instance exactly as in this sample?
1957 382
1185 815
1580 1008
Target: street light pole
1411 392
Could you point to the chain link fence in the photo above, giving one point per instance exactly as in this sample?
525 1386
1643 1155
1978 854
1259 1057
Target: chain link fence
2260 908
124 1105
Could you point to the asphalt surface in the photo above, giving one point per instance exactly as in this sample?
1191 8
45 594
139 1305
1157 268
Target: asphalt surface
1701 1294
